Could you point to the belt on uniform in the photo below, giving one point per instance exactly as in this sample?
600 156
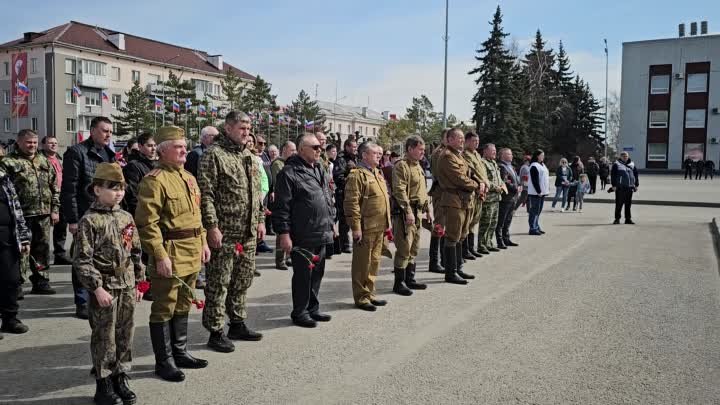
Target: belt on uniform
182 234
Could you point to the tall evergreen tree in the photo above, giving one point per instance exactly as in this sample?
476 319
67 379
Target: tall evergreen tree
178 91
422 116
303 109
135 116
233 88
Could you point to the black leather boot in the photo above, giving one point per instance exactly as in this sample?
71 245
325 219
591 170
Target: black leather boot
466 251
410 278
458 253
500 243
442 252
480 248
220 343
471 245
105 394
122 389
399 287
509 243
451 267
434 266
239 331
178 330
164 362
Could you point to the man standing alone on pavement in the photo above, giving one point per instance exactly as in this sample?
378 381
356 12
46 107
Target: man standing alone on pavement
79 164
367 212
303 218
234 217
50 148
288 150
35 181
624 179
506 210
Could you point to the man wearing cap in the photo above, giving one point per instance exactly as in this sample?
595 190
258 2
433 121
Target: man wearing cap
233 214
169 222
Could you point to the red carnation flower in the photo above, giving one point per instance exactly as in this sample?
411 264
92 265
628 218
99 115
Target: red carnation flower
389 234
315 259
311 266
439 230
143 286
239 249
200 304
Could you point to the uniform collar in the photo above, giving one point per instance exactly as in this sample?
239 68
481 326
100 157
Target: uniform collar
96 206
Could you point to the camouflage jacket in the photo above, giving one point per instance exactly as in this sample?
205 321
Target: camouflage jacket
495 180
107 249
229 181
22 232
35 181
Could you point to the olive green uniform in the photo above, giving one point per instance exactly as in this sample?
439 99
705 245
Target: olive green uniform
457 188
410 198
489 216
435 191
367 209
479 174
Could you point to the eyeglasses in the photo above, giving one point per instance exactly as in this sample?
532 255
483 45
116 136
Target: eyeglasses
261 143
315 147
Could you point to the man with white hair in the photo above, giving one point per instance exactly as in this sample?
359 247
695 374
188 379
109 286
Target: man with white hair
207 136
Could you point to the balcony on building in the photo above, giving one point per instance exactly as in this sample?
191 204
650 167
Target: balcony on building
93 74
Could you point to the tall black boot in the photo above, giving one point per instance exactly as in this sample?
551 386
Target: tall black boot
434 266
410 278
443 264
164 362
500 243
458 254
178 330
399 287
105 394
451 262
471 245
466 251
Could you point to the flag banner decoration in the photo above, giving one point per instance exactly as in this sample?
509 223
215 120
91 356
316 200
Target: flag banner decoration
176 107
20 91
201 110
309 124
188 103
158 102
76 91
105 96
214 111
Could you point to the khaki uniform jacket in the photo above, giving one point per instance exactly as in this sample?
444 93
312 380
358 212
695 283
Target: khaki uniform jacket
366 205
35 182
455 182
477 169
435 187
275 168
496 181
408 186
169 200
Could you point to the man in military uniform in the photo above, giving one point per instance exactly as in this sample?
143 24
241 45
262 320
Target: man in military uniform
171 233
345 162
234 217
367 212
288 149
489 215
36 183
437 241
457 189
479 174
409 197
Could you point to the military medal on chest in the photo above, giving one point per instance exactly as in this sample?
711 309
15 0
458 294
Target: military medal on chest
194 190
127 236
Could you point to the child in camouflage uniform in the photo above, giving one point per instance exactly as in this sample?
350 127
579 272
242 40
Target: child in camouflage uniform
108 264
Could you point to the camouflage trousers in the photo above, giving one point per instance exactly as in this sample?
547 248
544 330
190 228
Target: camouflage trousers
228 278
40 226
112 333
488 222
407 241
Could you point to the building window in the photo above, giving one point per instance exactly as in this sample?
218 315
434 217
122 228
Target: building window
70 66
92 98
6 97
349 129
658 119
70 97
93 68
6 124
201 86
34 124
153 79
70 125
135 76
330 126
115 71
33 96
217 89
660 84
694 150
7 68
116 101
695 119
33 65
87 121
697 83
657 152
374 131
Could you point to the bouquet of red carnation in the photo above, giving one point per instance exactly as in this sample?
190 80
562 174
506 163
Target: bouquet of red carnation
309 256
239 249
200 304
439 230
143 286
389 235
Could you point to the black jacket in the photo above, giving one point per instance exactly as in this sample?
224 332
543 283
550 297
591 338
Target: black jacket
137 167
511 179
341 169
604 170
593 169
303 205
79 162
192 162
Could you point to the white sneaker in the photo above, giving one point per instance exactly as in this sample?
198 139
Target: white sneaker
562 210
580 211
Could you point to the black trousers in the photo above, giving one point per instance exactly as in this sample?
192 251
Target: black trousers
688 172
59 237
10 279
306 281
698 174
506 211
623 197
593 182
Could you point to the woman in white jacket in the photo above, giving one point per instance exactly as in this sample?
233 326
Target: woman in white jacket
538 188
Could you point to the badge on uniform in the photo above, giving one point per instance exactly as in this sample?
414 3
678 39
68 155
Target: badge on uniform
127 236
194 190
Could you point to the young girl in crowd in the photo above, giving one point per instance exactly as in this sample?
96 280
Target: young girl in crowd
583 187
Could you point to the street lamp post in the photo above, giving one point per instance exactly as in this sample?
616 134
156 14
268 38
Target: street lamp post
606 98
447 6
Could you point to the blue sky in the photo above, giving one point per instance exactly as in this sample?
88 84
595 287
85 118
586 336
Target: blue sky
384 52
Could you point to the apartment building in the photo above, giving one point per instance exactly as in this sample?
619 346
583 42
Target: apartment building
346 120
57 80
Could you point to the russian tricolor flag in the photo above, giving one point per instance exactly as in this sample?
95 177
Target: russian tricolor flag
76 91
22 89
188 103
176 107
105 96
158 102
309 124
201 110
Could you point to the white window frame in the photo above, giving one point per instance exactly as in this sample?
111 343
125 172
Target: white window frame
87 122
657 123
7 124
657 157
134 74
654 89
114 69
73 97
6 97
91 67
93 98
33 96
695 123
153 78
70 125
33 65
693 79
115 104
71 65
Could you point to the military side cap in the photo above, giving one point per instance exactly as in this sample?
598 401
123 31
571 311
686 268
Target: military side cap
169 133
109 172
